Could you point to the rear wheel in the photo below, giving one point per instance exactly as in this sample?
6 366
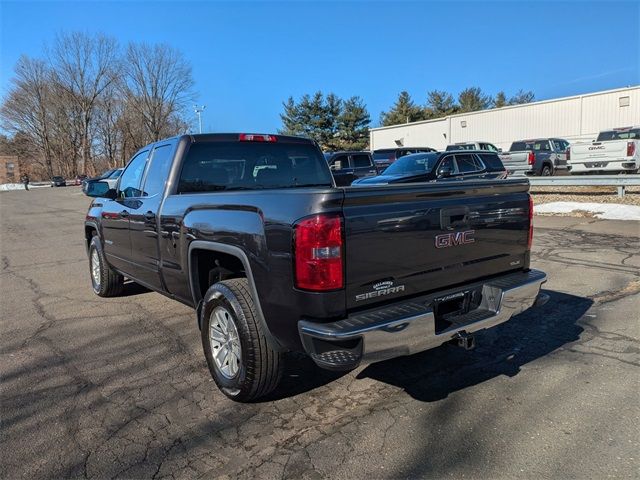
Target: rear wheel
547 171
240 360
105 280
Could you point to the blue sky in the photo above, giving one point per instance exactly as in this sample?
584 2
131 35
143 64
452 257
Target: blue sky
248 57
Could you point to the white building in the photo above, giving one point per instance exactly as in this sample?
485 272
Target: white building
578 118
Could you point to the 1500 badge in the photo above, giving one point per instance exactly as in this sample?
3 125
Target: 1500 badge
380 289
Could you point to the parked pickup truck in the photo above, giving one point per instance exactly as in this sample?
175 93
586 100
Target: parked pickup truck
383 157
251 231
616 150
542 157
349 166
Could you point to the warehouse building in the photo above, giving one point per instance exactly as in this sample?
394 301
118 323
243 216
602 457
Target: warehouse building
577 118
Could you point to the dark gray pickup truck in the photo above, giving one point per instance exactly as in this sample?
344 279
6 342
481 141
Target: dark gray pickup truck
251 231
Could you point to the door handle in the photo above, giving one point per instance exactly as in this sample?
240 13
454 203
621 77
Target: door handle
149 215
124 214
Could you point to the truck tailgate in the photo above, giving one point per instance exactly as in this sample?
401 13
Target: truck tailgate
410 239
613 150
516 163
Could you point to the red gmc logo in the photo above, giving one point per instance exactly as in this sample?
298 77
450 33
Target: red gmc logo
452 239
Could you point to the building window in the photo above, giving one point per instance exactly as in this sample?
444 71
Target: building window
624 101
10 166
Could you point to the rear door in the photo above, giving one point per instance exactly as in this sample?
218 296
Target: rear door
362 165
115 214
143 222
423 237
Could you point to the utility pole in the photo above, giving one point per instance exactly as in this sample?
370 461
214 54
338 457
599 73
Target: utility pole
199 109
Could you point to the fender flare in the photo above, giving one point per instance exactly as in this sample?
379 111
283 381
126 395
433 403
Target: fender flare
242 256
93 225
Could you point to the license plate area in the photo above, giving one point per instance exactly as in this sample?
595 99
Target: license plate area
451 309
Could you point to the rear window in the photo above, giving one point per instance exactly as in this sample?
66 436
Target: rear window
220 166
535 145
382 155
492 162
630 134
360 160
461 147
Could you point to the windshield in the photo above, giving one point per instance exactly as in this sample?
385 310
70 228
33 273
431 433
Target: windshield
116 173
416 164
219 166
626 134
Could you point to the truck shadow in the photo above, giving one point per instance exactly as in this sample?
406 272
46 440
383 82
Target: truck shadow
434 374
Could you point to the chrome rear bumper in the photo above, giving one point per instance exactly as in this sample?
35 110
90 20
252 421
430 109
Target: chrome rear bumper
411 326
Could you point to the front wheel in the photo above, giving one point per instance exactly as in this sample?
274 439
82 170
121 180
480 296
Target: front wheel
106 282
240 360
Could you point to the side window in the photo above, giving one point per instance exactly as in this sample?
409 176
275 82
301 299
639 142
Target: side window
492 161
491 147
360 161
344 162
542 146
449 163
467 163
158 170
132 176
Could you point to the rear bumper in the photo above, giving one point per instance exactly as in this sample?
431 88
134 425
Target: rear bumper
411 326
616 165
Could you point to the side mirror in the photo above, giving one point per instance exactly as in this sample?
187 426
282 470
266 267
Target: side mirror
444 171
337 165
100 189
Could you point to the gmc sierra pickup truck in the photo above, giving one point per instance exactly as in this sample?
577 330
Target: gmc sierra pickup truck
251 231
614 151
542 157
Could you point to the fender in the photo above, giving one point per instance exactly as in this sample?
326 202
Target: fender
242 256
97 229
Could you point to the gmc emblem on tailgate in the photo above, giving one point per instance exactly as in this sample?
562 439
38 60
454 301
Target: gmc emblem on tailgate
452 239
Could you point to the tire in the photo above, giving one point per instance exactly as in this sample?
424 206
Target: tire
248 369
106 282
546 171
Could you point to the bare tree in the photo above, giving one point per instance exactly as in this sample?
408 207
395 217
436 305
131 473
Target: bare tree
85 67
28 105
159 85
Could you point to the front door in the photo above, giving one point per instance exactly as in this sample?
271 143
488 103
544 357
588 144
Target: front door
116 215
143 219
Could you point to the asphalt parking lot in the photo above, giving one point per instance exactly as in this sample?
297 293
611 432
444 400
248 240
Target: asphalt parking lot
105 388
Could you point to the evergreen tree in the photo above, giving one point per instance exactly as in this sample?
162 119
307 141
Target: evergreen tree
353 125
473 99
439 104
500 100
522 97
403 111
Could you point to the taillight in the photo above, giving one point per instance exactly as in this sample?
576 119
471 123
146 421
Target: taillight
250 137
631 149
318 253
531 159
530 241
568 153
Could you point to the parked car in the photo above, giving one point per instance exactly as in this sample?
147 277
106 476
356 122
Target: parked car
80 178
614 151
541 157
474 146
427 167
58 181
383 157
110 176
349 166
251 231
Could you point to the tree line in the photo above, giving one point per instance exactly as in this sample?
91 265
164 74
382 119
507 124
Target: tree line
338 124
88 104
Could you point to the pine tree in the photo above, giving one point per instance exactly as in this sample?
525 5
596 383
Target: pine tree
403 111
500 100
473 99
439 104
353 125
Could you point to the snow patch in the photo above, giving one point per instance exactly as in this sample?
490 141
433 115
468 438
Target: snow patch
608 211
5 187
